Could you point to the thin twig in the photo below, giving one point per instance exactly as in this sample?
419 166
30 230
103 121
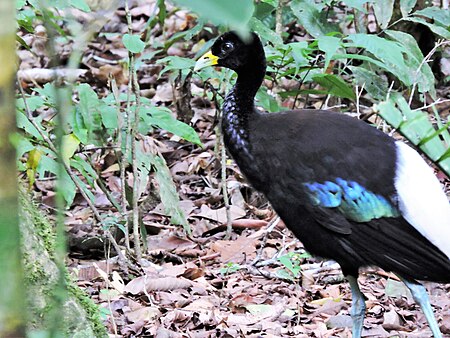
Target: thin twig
223 160
272 224
133 86
122 144
425 59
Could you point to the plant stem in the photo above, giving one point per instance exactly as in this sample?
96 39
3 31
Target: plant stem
133 87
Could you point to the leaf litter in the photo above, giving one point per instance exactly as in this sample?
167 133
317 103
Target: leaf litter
205 286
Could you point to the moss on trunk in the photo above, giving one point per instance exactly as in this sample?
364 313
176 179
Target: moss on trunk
82 318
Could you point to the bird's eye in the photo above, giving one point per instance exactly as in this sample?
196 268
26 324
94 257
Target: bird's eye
227 46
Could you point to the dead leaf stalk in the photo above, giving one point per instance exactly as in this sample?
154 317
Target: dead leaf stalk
122 144
272 224
223 160
133 87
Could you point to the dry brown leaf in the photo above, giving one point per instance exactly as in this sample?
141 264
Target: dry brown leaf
147 314
146 283
235 251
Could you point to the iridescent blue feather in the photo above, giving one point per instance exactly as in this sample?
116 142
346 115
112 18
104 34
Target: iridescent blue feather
353 200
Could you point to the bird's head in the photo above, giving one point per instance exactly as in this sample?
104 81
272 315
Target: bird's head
231 51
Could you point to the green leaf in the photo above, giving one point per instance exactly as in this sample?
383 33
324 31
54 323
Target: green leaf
84 168
330 45
23 123
439 30
299 51
133 43
89 107
313 18
439 15
335 85
375 85
406 6
69 145
22 145
416 127
68 188
273 3
168 193
233 13
420 72
85 189
265 32
383 10
267 101
162 118
390 53
357 4
81 5
176 63
47 164
390 113
109 117
20 4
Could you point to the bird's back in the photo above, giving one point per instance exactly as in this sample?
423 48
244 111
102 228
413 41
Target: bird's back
331 178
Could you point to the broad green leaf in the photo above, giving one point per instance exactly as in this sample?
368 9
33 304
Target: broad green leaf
390 113
383 10
20 4
68 188
357 4
69 145
439 15
420 72
335 85
81 5
162 118
84 168
312 18
233 13
439 30
375 85
133 43
109 117
34 157
330 45
265 32
267 101
406 6
299 53
89 107
273 3
168 193
85 189
390 53
417 128
22 144
176 63
47 92
23 123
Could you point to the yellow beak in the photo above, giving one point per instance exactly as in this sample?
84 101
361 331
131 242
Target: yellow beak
208 59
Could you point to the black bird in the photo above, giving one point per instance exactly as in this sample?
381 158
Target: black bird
348 191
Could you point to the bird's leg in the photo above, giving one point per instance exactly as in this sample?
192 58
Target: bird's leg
420 295
358 307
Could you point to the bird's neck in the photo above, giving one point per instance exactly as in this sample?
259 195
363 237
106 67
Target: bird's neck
239 109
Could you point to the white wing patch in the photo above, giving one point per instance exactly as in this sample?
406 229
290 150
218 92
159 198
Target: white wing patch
422 201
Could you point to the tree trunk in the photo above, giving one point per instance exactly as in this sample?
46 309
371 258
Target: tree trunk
12 301
81 315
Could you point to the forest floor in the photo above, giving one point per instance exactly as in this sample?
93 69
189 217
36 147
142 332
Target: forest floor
258 283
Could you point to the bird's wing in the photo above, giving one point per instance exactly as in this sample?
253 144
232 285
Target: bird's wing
334 203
